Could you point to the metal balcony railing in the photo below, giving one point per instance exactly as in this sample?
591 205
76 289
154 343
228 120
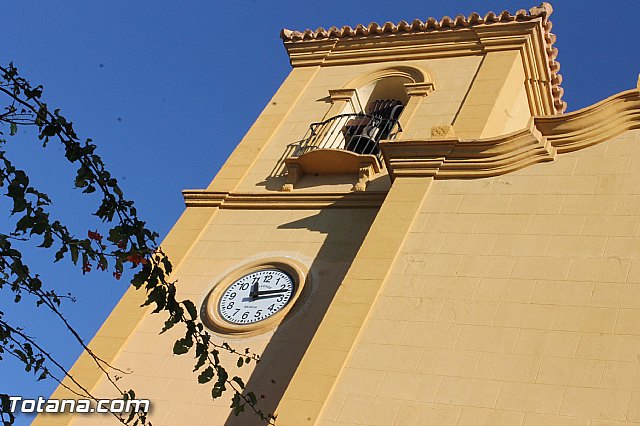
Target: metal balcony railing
358 133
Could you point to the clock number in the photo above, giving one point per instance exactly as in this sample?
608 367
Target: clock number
237 310
267 279
232 295
280 298
230 305
245 315
272 307
256 280
244 286
258 313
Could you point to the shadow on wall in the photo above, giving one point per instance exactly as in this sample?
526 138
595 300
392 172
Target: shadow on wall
345 229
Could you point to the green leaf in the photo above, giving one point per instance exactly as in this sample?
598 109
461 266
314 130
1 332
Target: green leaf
13 129
239 381
216 391
191 308
238 409
74 253
206 375
21 355
60 253
182 346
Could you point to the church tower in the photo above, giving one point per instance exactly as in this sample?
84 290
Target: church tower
412 232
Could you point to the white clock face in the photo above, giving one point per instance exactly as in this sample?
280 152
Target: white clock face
256 296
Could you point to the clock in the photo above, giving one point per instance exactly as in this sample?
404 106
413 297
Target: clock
254 298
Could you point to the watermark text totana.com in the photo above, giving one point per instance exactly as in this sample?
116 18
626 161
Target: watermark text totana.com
42 405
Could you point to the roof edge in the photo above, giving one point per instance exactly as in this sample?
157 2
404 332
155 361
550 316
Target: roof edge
431 25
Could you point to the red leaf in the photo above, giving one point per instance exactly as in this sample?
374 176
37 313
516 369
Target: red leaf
94 235
136 259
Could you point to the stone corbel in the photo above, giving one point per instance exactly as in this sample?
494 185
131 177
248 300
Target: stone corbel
419 89
294 174
364 176
341 94
339 99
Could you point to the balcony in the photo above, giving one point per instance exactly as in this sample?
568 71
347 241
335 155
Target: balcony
358 133
343 144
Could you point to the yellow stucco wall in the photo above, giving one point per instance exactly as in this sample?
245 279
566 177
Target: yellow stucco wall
496 103
326 241
515 300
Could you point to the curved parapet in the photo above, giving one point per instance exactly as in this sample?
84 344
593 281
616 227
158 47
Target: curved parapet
452 158
593 124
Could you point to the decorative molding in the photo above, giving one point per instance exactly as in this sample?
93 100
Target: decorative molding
283 200
341 94
419 89
541 141
310 54
412 72
530 32
594 124
452 158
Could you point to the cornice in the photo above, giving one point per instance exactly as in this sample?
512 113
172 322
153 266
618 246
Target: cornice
541 141
452 158
593 124
529 32
280 200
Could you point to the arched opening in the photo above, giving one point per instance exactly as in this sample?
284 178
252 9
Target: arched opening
384 100
363 113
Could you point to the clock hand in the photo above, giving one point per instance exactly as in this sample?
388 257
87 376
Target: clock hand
254 290
267 292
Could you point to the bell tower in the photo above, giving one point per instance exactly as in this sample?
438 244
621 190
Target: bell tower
412 232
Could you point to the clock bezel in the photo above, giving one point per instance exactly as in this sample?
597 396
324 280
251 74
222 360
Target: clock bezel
210 310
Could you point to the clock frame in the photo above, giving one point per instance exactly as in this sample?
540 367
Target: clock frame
215 319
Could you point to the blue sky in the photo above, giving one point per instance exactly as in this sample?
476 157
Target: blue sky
167 89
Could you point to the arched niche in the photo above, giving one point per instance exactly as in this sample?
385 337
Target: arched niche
405 83
410 74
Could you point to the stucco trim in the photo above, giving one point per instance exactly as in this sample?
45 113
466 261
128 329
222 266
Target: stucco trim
270 200
593 124
452 158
